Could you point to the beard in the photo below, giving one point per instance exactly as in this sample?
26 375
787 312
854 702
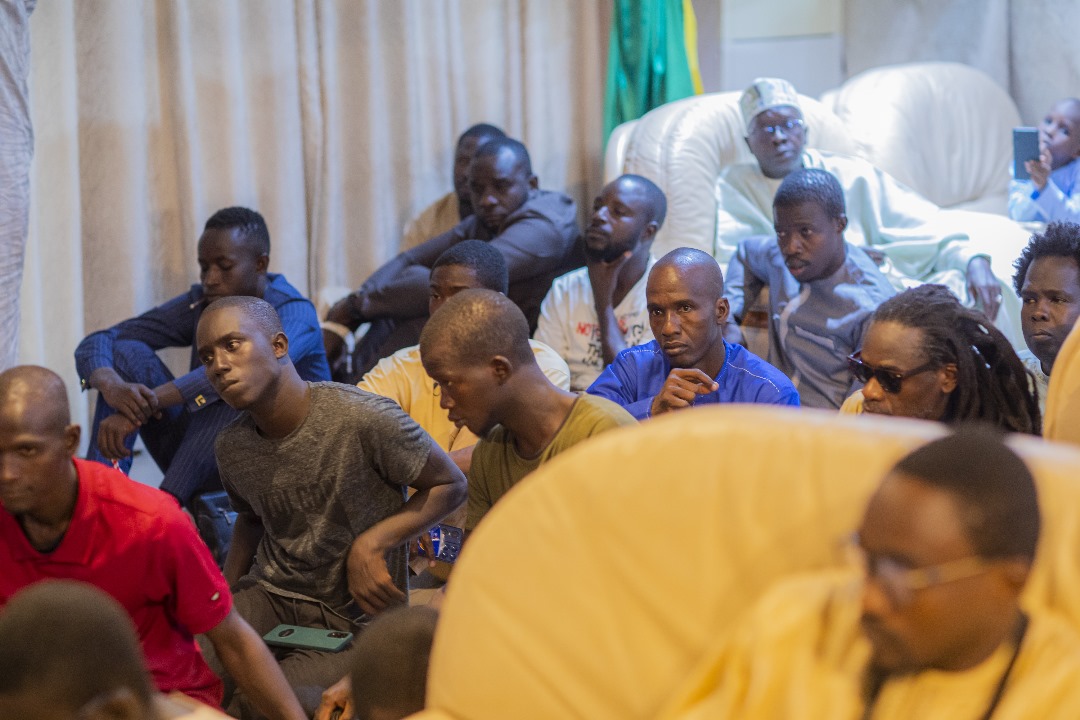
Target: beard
606 255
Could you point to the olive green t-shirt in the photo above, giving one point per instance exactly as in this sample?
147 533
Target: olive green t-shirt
497 467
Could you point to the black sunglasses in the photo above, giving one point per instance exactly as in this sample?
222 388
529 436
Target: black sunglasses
889 380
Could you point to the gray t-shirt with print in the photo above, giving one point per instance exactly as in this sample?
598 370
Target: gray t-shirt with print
343 470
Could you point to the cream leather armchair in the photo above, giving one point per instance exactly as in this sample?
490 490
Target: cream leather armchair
596 585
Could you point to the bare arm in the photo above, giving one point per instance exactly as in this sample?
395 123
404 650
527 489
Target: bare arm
246 536
604 277
249 662
440 488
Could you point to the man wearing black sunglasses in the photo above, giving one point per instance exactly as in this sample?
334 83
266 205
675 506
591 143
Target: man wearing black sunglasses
926 356
925 622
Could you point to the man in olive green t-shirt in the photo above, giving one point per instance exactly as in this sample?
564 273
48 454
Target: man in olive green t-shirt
476 348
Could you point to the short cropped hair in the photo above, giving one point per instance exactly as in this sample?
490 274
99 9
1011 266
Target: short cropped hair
262 312
812 185
655 196
995 489
482 130
476 325
1060 239
250 223
493 147
483 259
390 665
992 384
70 641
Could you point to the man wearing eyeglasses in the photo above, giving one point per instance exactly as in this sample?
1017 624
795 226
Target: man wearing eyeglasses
913 239
926 624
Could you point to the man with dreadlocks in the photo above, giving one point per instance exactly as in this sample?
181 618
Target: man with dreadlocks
927 356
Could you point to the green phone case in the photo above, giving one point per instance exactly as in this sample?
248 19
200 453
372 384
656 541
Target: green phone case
294 636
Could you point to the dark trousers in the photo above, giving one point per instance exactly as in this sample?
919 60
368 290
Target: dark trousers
181 442
309 672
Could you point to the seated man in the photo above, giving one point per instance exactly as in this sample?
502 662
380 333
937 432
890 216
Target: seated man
534 229
401 377
178 418
91 668
1048 282
822 290
592 313
1052 193
882 214
476 347
689 362
927 356
79 520
930 624
453 207
317 474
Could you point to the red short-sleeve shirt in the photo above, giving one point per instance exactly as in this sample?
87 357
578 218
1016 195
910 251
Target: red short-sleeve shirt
135 543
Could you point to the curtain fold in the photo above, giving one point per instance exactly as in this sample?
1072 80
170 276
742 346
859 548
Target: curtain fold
334 118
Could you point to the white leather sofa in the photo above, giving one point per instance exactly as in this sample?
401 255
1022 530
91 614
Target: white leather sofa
943 129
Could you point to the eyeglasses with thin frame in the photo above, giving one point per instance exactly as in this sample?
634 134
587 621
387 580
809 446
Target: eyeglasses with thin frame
788 126
890 380
901 582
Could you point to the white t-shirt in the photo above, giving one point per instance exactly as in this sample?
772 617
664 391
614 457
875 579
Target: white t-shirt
569 324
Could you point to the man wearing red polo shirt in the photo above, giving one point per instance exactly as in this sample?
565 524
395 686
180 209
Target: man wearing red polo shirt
67 518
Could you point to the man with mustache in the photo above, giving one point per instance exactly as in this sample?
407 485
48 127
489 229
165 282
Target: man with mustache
822 290
926 623
689 362
592 313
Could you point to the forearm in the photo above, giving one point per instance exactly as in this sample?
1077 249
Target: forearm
103 377
611 337
168 395
424 509
463 458
246 536
248 661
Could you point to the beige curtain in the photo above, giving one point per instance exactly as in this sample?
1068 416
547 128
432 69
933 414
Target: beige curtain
335 118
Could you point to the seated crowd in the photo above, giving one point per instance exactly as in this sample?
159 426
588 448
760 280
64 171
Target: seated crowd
501 336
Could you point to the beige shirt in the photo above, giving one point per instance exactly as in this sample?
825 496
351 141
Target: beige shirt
437 218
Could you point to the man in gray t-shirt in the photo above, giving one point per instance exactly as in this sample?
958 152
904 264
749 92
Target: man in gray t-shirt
317 474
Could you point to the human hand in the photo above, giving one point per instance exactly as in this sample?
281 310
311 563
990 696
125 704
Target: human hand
134 401
604 276
336 697
112 432
984 287
1039 170
681 389
369 581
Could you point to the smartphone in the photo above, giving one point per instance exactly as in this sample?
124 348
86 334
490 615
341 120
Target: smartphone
308 638
1025 147
446 541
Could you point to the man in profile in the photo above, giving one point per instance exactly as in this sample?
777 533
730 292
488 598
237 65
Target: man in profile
534 229
689 363
476 347
453 207
62 517
592 313
928 624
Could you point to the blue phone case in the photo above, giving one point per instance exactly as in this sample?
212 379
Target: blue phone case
446 541
1025 147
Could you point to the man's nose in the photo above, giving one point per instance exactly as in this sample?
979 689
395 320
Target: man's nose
872 389
671 325
1040 310
875 601
488 200
445 401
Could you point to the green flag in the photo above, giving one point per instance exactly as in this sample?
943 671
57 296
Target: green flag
647 59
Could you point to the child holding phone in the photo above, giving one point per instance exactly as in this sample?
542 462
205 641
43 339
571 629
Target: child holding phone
1052 193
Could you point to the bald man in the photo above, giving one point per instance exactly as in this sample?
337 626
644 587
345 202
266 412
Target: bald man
476 347
689 363
68 518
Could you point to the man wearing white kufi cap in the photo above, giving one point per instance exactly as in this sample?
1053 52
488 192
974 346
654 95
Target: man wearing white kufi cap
913 239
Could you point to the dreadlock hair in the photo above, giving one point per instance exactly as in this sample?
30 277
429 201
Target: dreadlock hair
992 384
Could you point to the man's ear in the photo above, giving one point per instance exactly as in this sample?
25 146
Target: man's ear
650 231
262 263
841 223
534 182
723 309
947 377
280 343
502 368
72 434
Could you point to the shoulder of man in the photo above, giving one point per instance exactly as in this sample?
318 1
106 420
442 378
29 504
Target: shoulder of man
110 487
601 414
550 205
280 291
